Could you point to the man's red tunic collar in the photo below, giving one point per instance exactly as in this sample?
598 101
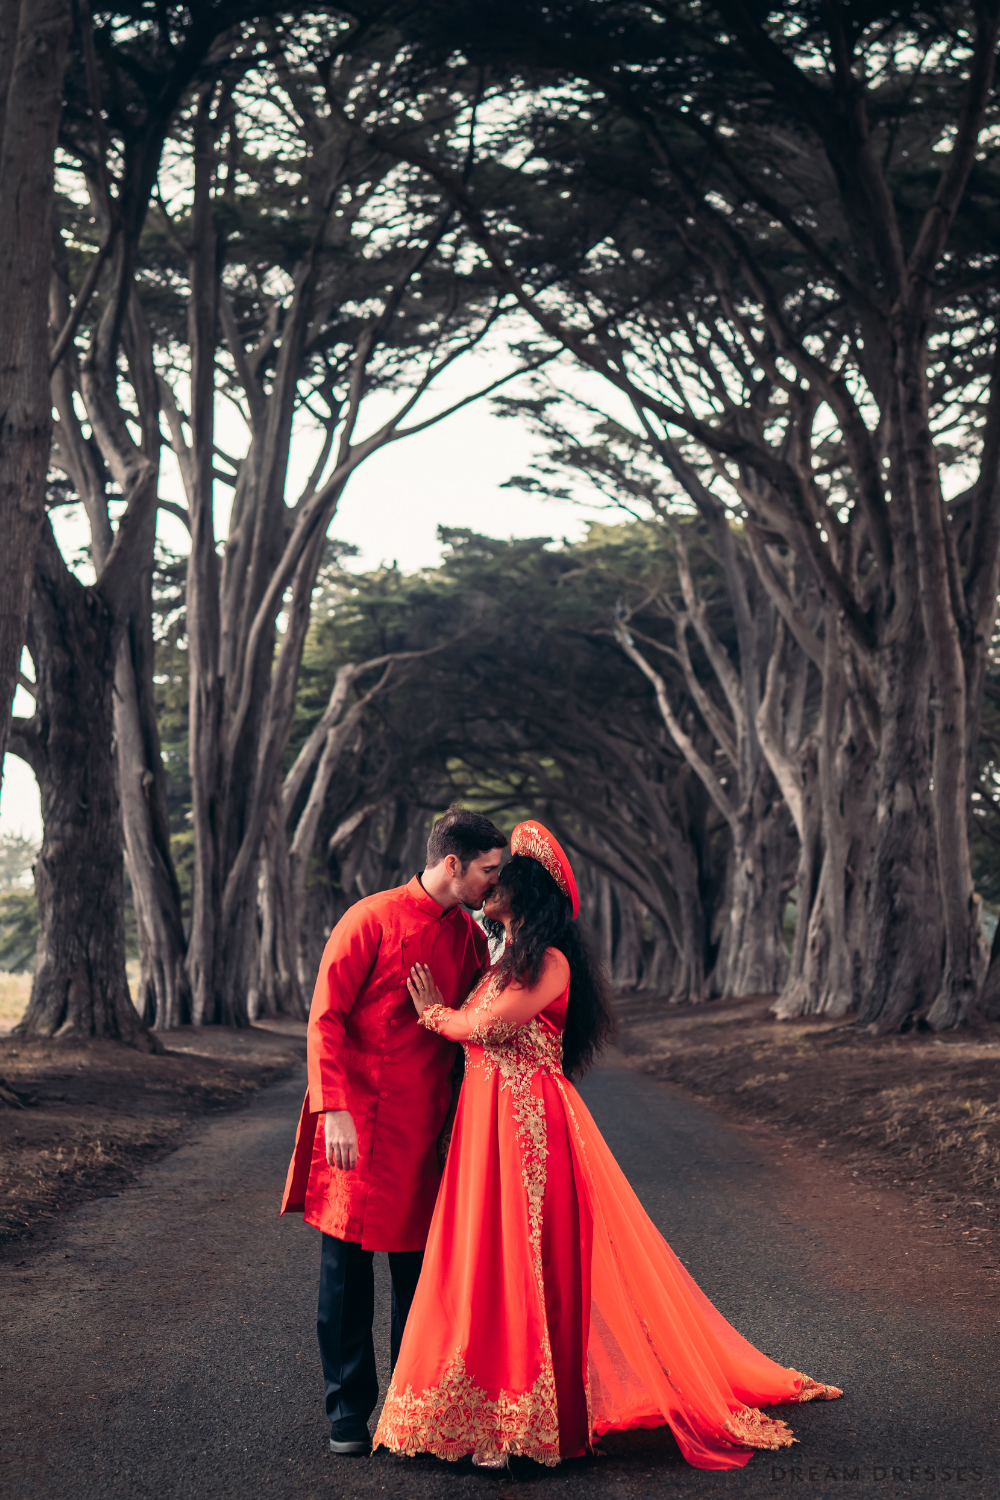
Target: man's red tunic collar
427 903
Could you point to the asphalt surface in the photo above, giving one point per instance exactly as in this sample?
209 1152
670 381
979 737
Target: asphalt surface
162 1343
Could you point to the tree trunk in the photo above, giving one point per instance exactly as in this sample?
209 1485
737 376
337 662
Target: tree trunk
33 42
163 996
903 909
164 999
276 990
828 977
297 856
235 957
807 878
688 982
752 957
80 986
597 912
965 952
206 732
626 938
839 811
658 963
323 908
754 960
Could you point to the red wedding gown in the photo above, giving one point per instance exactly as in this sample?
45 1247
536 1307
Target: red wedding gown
550 1309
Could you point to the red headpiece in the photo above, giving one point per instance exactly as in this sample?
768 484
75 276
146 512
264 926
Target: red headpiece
536 842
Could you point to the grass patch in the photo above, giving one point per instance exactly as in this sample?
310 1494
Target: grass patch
14 992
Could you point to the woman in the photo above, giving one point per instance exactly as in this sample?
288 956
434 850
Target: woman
550 1309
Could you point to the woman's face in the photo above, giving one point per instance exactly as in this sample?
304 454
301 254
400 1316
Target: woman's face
497 905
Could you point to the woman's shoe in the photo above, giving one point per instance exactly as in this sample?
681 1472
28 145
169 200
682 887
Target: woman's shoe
490 1460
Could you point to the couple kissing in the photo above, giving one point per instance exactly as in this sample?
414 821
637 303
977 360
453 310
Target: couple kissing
535 1306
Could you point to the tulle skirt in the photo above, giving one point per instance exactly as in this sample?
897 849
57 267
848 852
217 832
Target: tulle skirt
551 1310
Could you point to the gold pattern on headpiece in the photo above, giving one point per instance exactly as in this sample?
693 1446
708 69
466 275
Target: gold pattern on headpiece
532 842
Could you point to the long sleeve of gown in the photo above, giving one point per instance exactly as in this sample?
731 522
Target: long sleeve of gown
504 1013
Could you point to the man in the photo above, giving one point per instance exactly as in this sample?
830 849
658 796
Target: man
382 1084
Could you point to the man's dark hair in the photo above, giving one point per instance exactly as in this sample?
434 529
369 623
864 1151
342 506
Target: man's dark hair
462 833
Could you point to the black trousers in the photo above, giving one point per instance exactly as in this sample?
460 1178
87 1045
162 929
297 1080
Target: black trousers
344 1322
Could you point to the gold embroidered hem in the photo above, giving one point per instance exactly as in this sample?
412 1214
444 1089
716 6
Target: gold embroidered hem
456 1418
814 1390
754 1429
476 1375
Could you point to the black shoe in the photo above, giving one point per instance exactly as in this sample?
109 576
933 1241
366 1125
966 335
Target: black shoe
349 1435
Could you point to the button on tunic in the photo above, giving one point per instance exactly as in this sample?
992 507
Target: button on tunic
367 1054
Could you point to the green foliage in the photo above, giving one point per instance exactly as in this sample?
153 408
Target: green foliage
521 699
985 838
526 683
18 931
17 855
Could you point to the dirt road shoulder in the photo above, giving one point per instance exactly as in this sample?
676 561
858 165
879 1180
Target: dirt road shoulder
81 1119
911 1122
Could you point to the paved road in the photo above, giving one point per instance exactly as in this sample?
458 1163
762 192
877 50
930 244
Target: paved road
163 1346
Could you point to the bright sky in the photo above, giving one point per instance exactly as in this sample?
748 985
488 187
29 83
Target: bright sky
450 475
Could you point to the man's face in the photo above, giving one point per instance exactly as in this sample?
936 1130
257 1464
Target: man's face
480 876
496 904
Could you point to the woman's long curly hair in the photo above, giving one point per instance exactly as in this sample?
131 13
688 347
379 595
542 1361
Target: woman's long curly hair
541 917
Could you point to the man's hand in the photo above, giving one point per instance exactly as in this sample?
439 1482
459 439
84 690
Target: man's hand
341 1140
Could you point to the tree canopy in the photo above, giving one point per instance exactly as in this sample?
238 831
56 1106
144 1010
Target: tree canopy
738 272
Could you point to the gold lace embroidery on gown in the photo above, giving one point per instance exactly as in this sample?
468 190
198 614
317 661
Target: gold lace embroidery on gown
456 1417
752 1428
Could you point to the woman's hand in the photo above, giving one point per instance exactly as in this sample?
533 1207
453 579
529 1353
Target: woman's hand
423 990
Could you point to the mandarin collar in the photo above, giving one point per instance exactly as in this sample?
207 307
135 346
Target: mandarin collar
426 903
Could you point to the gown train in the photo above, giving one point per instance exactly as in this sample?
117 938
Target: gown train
550 1309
